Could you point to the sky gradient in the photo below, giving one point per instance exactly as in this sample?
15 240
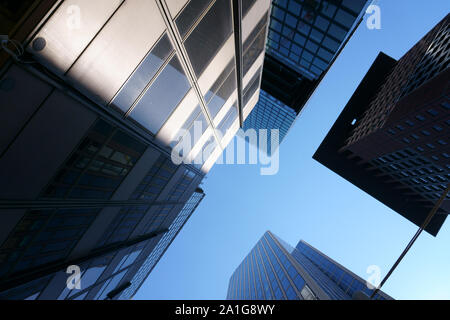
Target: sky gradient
307 201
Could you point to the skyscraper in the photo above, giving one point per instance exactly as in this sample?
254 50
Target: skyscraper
392 138
273 270
304 39
95 97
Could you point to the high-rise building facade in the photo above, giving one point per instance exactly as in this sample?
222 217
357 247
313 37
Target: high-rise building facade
96 97
304 39
392 139
274 270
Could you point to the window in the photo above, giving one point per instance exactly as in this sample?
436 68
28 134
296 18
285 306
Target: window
337 32
420 118
291 21
214 29
228 120
445 105
345 18
316 35
354 5
143 74
307 294
109 285
156 105
221 96
329 10
325 54
251 87
321 23
254 50
331 44
246 6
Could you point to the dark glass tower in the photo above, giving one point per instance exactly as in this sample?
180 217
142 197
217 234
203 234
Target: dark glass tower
304 39
274 270
392 138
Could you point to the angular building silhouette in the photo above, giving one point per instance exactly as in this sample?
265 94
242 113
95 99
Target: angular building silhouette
304 39
274 270
96 97
392 138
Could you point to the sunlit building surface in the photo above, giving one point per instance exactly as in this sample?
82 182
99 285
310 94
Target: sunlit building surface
304 39
94 96
392 138
273 270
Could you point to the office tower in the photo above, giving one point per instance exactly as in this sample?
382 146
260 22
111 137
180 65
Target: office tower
392 138
96 97
304 39
273 270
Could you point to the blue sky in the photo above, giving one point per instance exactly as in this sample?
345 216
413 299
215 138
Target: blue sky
306 200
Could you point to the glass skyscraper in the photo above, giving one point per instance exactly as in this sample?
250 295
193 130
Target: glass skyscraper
96 104
304 39
273 270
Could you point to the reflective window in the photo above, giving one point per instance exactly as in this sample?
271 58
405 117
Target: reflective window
251 87
222 77
246 6
355 5
143 74
127 260
254 45
337 32
194 131
187 18
209 35
222 95
162 97
228 120
345 18
205 153
109 285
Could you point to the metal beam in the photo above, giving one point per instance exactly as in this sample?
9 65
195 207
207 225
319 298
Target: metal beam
70 203
237 25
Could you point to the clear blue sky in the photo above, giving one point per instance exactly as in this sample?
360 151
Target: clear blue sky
306 200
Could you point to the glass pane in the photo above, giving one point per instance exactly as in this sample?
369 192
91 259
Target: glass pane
222 94
337 32
195 132
331 44
143 74
187 124
205 153
251 87
109 286
254 51
228 120
209 35
345 18
325 54
246 6
157 104
190 14
321 23
255 32
222 77
91 276
355 5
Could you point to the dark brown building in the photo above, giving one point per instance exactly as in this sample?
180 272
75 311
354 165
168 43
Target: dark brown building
396 133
